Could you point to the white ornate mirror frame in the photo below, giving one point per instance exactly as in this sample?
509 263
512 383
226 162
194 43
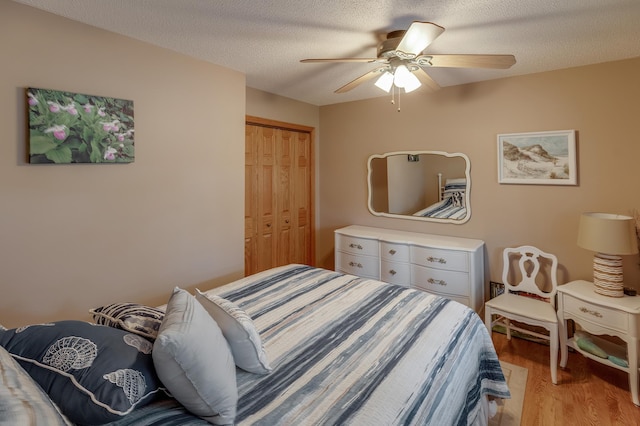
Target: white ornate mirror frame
423 186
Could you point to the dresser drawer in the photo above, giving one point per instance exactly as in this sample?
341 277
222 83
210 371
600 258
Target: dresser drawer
394 252
440 259
395 273
600 315
440 281
363 266
357 245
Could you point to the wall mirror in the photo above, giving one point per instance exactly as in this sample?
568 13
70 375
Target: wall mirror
420 185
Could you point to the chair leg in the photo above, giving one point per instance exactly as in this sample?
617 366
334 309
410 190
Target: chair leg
564 354
507 322
553 353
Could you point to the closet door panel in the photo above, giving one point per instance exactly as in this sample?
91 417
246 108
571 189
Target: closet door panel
302 200
278 197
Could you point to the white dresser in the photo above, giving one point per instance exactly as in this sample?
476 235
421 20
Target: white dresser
447 266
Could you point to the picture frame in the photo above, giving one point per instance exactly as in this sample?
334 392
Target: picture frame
538 158
66 127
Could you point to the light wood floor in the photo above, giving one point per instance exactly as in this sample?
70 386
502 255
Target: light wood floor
587 393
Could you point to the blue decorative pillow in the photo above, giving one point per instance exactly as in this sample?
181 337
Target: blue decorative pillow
94 373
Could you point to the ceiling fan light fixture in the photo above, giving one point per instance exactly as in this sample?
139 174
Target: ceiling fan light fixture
400 75
385 81
412 83
405 79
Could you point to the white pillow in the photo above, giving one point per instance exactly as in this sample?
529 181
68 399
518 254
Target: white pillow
240 332
193 360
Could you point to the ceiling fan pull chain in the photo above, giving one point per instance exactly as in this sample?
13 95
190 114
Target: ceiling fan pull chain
399 93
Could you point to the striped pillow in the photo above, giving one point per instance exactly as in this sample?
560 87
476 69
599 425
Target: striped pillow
132 317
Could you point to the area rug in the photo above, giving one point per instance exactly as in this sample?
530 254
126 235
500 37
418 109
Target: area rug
510 413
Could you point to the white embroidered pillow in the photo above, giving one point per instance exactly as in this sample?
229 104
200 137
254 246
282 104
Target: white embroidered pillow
239 330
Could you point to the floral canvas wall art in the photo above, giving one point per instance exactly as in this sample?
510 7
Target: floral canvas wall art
69 127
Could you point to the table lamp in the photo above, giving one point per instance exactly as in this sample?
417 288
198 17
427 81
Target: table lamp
609 235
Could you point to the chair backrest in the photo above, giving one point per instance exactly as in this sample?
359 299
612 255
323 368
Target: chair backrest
529 269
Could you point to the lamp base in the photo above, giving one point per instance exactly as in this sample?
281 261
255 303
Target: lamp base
607 275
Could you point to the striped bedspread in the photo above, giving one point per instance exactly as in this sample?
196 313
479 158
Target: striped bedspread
353 351
445 209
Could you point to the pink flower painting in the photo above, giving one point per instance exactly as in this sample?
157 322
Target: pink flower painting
67 127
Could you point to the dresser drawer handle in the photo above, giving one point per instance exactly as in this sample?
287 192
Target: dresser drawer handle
357 246
436 259
354 264
439 282
392 252
392 272
590 312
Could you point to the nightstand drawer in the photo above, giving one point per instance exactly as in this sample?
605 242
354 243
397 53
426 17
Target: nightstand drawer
600 315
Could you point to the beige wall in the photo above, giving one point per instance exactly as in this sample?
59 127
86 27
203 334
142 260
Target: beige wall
76 236
273 107
599 101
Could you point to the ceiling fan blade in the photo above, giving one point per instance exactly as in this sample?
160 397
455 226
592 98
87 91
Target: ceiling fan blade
340 60
365 77
418 37
426 80
470 61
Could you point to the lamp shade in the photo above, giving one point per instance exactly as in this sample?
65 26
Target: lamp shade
608 233
411 83
401 76
385 81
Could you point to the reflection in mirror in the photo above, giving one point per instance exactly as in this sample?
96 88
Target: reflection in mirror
420 185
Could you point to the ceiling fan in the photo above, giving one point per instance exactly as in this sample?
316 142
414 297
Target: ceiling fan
401 61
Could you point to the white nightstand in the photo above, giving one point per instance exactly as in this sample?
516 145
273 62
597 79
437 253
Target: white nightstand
599 315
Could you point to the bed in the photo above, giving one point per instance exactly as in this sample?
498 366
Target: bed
348 350
451 203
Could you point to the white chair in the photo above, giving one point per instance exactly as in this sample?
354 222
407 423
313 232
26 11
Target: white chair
537 307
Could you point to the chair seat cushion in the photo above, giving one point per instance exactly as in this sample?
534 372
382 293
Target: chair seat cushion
523 306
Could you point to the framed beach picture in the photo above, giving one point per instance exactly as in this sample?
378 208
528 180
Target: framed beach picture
538 158
67 127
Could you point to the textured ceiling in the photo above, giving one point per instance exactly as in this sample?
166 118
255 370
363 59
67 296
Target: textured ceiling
265 39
